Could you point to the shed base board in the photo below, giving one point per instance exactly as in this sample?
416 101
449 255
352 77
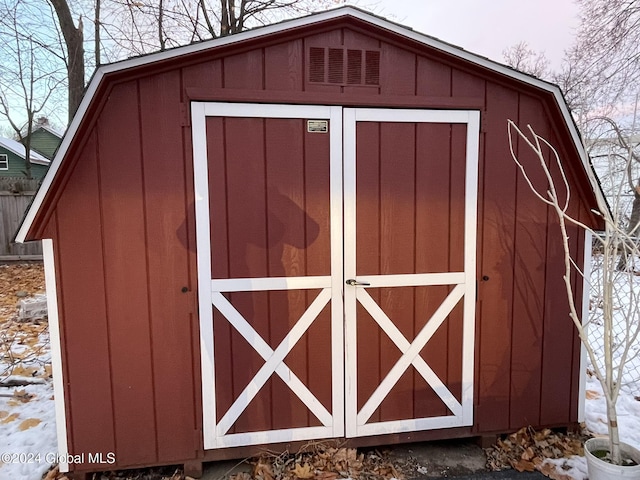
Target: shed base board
392 439
193 467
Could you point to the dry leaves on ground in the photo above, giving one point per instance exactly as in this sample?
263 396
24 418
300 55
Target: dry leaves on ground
527 450
14 278
322 461
21 342
317 461
158 473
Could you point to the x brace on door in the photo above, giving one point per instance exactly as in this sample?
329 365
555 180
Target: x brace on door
410 353
274 359
216 433
343 410
462 284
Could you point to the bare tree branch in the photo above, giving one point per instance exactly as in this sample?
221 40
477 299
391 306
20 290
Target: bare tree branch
615 240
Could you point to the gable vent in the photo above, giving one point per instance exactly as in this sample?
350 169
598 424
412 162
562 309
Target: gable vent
372 69
354 67
336 65
316 64
342 66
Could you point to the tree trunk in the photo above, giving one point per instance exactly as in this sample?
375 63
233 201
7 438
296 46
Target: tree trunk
161 37
634 220
96 34
224 19
614 436
26 141
633 229
73 38
27 155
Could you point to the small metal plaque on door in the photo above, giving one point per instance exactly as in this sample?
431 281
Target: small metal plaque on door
317 126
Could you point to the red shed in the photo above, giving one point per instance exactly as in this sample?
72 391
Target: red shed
311 230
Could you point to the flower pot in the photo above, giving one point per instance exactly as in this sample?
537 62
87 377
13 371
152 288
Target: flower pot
603 470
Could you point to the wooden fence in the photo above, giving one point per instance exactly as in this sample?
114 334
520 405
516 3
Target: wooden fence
15 196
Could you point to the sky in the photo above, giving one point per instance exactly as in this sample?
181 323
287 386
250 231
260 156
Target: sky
487 27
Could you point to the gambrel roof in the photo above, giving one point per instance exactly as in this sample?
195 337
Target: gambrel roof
161 59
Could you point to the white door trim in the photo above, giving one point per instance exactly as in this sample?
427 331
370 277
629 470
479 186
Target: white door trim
464 282
56 352
215 433
343 189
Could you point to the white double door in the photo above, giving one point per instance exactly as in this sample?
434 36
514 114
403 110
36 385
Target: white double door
336 267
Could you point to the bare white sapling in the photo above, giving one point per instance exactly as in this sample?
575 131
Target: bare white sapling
616 309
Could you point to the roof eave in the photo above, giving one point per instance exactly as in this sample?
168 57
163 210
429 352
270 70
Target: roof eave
341 12
34 157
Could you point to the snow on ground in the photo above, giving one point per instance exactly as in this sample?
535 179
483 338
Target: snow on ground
28 431
27 418
596 421
628 405
628 414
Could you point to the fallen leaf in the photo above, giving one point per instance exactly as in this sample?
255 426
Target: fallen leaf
524 466
22 395
10 418
555 475
528 454
326 476
23 371
592 395
47 373
547 469
28 423
52 474
263 471
340 456
303 471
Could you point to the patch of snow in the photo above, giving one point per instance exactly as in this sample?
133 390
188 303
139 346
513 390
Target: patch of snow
628 413
27 453
575 466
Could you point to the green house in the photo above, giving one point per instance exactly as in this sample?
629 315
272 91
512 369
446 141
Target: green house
12 160
45 140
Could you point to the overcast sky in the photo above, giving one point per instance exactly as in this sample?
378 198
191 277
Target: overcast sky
487 27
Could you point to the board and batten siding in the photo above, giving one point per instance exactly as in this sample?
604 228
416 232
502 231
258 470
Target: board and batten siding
137 352
526 346
123 230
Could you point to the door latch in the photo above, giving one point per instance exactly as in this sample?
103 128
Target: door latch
354 283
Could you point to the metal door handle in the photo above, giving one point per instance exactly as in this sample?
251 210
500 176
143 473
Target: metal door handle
354 283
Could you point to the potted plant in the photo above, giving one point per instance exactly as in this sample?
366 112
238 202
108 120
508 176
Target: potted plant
616 310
